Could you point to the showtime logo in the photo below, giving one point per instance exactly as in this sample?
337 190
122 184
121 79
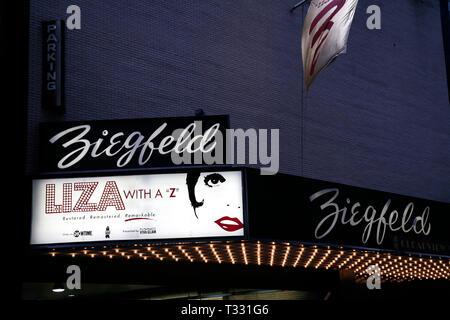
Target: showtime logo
110 198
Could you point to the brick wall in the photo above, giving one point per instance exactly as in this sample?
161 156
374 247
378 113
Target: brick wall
379 117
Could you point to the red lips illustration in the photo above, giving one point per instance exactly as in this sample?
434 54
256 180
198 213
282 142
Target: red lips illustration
229 224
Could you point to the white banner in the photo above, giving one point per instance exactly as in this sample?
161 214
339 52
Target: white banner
137 207
324 36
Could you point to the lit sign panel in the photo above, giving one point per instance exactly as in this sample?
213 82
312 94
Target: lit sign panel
197 204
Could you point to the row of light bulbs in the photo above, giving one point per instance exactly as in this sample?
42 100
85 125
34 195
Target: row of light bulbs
393 267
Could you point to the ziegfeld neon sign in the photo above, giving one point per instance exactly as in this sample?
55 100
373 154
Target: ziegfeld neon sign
387 219
209 146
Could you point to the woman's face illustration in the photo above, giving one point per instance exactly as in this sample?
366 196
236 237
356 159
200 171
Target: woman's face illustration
220 198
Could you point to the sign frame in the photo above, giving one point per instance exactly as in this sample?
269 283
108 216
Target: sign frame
113 134
146 171
314 214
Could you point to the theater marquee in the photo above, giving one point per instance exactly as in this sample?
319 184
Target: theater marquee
196 204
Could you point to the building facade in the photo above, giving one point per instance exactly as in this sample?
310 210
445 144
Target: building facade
377 118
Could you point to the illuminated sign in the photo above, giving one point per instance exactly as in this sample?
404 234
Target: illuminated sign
129 143
196 204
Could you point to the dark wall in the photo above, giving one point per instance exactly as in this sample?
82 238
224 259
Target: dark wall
378 118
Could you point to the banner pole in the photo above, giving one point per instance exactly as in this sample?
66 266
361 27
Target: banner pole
297 5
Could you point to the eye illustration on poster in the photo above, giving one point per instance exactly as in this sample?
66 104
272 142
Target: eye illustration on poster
214 199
